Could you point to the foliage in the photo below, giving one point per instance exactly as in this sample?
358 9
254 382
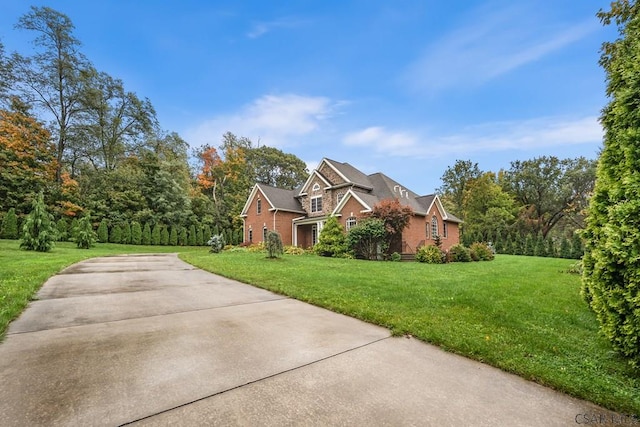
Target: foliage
155 234
103 232
116 234
182 237
271 166
430 254
164 236
565 248
395 218
136 233
458 253
199 237
173 236
216 243
455 181
85 237
256 247
191 240
611 279
293 250
367 239
396 257
126 233
481 251
62 227
9 228
273 244
38 232
332 240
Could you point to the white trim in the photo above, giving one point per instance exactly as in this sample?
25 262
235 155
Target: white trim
328 162
346 198
308 181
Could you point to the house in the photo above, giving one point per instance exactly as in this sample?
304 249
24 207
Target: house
339 189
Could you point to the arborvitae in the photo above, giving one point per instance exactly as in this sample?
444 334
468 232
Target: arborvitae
103 232
9 229
540 248
498 243
126 233
84 236
529 245
173 236
206 233
508 245
518 244
146 234
565 248
551 248
191 240
116 234
38 231
577 248
155 234
62 227
164 236
183 239
215 231
75 222
199 238
136 233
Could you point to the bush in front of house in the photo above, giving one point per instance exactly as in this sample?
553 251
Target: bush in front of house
332 241
274 244
458 253
430 254
216 243
481 252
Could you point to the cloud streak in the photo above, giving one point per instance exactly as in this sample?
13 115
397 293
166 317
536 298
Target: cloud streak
495 43
259 29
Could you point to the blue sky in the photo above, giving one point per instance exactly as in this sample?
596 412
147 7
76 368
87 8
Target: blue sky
401 87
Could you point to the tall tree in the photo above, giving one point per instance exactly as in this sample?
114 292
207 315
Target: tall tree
455 181
39 230
611 279
276 168
27 158
54 78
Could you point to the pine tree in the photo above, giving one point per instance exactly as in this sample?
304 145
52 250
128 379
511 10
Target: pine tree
164 236
38 231
136 233
146 234
155 234
173 236
9 228
84 236
103 232
116 234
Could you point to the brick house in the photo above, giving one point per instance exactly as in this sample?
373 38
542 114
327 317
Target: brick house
339 189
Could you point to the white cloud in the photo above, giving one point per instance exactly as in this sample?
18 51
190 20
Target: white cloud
534 134
496 42
275 120
259 29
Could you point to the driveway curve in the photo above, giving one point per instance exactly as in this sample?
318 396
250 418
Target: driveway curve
151 340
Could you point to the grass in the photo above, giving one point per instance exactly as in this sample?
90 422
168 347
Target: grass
521 314
22 273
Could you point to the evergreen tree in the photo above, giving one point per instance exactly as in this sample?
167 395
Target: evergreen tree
126 233
551 248
155 234
75 222
206 233
332 241
611 282
136 233
173 236
84 236
565 248
577 248
38 231
116 234
498 243
518 244
62 228
508 246
103 232
9 228
529 245
540 248
199 237
215 231
146 234
183 239
191 240
274 244
164 236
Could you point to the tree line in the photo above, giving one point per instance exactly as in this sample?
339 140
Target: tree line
93 148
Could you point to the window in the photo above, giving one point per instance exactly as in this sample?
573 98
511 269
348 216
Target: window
434 227
250 235
426 229
351 222
316 204
444 230
314 235
259 204
316 187
264 234
339 197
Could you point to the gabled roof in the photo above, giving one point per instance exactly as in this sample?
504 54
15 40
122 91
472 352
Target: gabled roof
348 173
278 199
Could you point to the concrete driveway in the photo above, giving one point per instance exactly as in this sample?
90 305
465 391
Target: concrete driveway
151 340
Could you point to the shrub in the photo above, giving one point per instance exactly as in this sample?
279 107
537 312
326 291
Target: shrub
191 240
62 228
206 233
199 236
256 247
396 257
126 233
103 232
38 232
164 236
481 252
216 243
85 237
136 233
332 241
274 244
155 235
430 254
182 237
294 250
116 234
367 239
146 234
459 253
173 236
9 228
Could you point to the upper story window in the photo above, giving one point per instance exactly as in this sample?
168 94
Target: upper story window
316 204
434 227
259 206
316 187
339 197
444 230
351 222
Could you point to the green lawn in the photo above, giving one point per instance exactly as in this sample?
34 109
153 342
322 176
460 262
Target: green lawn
521 314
